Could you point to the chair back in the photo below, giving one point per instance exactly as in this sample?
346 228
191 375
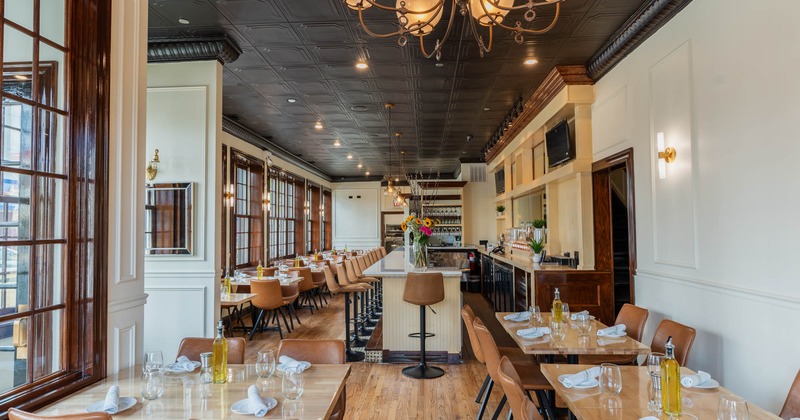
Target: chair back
331 280
308 281
337 258
383 252
424 288
269 271
521 406
491 354
318 277
634 318
318 352
361 262
791 408
15 414
268 294
682 339
341 275
468 315
289 292
191 347
352 275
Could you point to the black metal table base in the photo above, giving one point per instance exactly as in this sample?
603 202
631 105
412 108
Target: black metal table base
423 371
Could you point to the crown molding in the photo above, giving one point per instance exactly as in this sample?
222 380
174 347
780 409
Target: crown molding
219 47
643 23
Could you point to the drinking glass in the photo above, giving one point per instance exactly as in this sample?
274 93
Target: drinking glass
152 384
654 368
153 361
265 364
557 331
584 322
292 383
292 409
732 407
610 379
536 316
565 311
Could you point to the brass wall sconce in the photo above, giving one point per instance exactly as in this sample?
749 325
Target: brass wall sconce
228 196
665 155
152 167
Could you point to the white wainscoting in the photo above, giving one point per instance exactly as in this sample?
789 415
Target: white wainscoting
172 313
356 216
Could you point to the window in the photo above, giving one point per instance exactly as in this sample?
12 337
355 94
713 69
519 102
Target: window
327 219
247 215
285 215
52 207
313 218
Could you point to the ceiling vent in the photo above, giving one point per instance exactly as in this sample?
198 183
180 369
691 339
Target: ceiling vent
474 172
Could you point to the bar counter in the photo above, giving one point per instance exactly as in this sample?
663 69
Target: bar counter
401 318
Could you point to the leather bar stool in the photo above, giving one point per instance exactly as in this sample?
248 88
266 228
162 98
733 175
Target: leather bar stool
383 252
192 347
355 276
374 303
423 289
306 288
347 277
268 298
347 289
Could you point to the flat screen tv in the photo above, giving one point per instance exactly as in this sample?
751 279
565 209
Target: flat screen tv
500 181
560 146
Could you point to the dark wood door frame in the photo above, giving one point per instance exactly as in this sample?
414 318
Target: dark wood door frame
601 191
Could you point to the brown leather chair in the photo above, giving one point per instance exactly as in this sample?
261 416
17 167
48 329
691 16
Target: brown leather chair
318 277
514 353
791 408
634 318
329 352
290 293
682 339
383 252
522 408
268 299
14 414
423 289
307 288
533 380
269 271
191 347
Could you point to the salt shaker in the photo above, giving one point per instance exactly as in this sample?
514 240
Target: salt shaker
205 368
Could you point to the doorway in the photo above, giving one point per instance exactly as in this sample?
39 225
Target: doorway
615 223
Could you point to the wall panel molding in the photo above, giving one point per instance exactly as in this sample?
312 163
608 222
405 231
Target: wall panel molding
220 47
124 343
127 303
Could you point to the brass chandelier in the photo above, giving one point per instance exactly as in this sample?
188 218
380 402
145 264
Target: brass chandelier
418 18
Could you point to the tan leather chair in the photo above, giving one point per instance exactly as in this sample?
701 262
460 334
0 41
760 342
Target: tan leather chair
318 277
533 380
522 408
358 319
682 339
307 288
290 293
14 414
191 347
383 252
634 319
423 289
791 408
269 271
328 352
268 299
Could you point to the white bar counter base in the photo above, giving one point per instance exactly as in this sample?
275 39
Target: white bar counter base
401 318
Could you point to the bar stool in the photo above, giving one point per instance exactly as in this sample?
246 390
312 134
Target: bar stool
423 289
344 286
355 276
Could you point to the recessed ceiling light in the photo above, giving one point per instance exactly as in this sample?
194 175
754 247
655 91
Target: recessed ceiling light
291 100
349 156
402 152
318 125
531 61
439 64
366 173
337 143
183 21
487 108
361 65
360 166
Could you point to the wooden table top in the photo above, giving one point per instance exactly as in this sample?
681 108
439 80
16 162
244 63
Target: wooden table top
183 396
631 403
573 343
236 299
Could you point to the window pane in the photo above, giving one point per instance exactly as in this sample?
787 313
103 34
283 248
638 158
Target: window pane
47 344
51 76
50 149
13 353
14 279
20 12
51 199
17 49
16 192
17 134
51 20
51 272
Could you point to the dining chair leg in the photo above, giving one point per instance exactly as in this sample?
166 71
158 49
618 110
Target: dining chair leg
294 311
256 322
277 323
499 408
284 319
485 399
483 389
546 404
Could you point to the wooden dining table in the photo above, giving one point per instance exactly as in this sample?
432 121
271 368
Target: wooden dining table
574 343
185 398
631 403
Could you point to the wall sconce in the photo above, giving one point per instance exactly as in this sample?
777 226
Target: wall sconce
265 200
228 196
665 155
152 167
307 207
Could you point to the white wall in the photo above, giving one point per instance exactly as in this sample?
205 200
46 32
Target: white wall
356 221
716 240
184 121
126 297
479 213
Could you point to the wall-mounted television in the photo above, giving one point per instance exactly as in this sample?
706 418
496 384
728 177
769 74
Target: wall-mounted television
500 181
560 145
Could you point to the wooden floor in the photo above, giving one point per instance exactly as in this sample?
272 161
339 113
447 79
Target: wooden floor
376 390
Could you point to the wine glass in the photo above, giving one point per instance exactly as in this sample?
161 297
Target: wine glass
584 322
153 361
654 368
610 379
565 311
292 383
536 316
732 407
265 364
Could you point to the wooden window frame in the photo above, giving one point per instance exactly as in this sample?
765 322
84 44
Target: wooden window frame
254 209
285 217
327 219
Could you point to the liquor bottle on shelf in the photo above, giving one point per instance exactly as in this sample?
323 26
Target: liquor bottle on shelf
219 357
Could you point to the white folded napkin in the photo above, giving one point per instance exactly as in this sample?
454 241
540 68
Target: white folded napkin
694 380
610 341
111 404
580 377
574 316
612 330
533 332
649 418
290 363
257 405
184 363
518 316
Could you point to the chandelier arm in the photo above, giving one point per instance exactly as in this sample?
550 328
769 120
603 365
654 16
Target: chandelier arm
530 31
496 3
375 34
440 3
476 35
444 38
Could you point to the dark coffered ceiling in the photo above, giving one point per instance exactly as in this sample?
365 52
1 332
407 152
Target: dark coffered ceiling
305 50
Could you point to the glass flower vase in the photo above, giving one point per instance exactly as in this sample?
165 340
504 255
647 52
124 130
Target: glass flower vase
420 256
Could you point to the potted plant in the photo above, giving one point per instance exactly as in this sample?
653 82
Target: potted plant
539 226
536 247
500 209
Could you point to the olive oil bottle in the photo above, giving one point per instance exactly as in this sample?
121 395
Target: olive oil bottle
558 307
297 261
226 283
219 357
670 382
259 270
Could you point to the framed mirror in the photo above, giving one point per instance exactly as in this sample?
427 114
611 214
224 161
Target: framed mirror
168 219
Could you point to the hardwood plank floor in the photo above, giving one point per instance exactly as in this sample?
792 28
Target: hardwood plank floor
376 390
